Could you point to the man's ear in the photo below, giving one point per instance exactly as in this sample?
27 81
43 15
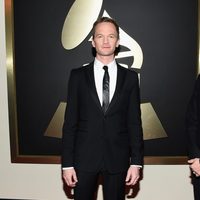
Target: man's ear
93 43
117 45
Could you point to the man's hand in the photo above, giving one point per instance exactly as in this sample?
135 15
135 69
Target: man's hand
195 166
69 175
133 175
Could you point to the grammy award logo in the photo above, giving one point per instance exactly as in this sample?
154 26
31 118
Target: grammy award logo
76 28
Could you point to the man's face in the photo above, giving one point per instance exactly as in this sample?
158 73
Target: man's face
105 39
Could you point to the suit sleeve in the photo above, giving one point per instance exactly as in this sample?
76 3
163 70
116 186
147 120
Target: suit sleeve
70 121
193 122
135 124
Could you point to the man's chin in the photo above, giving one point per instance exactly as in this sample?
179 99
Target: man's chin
106 53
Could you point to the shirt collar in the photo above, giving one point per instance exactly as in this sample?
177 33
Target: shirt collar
99 65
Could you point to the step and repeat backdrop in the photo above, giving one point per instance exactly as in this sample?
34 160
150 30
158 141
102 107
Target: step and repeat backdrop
47 39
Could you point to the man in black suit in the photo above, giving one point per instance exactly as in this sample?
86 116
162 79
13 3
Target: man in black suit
193 132
102 132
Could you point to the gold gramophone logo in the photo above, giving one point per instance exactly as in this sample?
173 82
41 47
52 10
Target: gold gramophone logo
77 26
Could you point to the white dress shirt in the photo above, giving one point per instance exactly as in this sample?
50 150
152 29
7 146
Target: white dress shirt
98 78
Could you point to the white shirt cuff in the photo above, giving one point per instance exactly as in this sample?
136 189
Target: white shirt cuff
64 168
139 166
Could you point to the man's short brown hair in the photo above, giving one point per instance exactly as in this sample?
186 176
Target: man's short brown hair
105 19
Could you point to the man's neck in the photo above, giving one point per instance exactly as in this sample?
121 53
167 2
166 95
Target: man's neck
105 59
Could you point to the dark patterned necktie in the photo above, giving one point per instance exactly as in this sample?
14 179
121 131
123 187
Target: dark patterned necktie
106 80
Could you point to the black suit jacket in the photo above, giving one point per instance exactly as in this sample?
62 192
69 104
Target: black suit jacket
193 122
90 137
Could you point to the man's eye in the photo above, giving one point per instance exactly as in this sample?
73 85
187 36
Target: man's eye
99 36
112 36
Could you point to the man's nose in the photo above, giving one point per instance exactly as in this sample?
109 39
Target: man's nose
105 40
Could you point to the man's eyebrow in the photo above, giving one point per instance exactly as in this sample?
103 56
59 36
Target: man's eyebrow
108 34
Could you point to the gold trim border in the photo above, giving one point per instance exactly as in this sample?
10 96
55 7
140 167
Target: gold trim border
11 79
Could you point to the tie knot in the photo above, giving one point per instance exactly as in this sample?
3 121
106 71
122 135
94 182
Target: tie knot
105 68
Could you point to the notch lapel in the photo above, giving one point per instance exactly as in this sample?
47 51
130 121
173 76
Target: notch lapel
91 84
119 85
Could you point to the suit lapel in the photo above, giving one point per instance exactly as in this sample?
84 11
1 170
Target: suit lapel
91 84
120 80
